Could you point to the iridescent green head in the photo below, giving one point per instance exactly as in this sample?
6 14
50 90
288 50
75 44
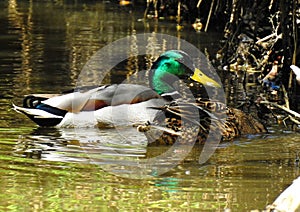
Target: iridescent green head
172 66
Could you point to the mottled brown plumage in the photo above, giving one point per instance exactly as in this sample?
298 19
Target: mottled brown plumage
189 122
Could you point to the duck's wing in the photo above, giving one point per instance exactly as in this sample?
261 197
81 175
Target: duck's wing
72 102
93 99
118 94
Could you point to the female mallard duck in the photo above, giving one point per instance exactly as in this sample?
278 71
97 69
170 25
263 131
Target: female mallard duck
189 122
116 104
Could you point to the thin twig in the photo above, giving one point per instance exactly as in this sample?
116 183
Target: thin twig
199 2
286 98
209 15
289 111
268 37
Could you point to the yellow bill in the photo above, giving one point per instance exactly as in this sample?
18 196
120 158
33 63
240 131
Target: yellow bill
199 76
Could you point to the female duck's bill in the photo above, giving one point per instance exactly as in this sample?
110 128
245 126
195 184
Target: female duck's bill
169 67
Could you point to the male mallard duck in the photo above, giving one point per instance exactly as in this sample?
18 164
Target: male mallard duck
117 103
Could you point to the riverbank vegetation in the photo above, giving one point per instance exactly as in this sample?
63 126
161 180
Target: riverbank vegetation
259 46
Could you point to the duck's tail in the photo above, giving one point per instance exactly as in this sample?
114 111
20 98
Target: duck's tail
40 117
